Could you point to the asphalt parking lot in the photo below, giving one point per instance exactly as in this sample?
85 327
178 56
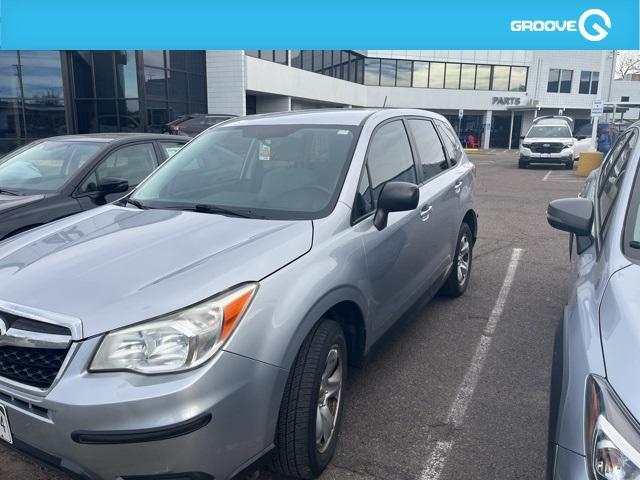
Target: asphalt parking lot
460 387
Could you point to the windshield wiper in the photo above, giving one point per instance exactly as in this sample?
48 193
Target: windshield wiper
10 192
207 208
136 203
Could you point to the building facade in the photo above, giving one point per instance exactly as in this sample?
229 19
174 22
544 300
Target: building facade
46 93
489 96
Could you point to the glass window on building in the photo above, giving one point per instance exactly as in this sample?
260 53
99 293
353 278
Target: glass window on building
32 104
483 77
452 76
403 73
595 77
421 74
372 71
559 81
565 81
588 82
500 79
280 56
554 80
296 58
317 61
468 77
388 73
436 75
518 80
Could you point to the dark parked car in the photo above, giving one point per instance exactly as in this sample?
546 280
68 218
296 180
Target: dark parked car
59 176
194 124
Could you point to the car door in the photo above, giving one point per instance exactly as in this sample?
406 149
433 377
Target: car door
395 254
130 162
438 204
457 181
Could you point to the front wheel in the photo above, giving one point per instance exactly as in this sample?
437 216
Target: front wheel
523 163
311 409
458 279
569 165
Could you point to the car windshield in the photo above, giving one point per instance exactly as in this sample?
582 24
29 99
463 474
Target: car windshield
45 166
268 171
549 131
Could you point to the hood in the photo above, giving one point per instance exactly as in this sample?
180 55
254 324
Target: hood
115 266
620 330
8 202
546 140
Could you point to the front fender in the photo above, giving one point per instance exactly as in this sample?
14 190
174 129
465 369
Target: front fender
290 302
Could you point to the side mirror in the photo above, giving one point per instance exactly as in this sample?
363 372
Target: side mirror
395 197
573 215
521 137
112 185
580 137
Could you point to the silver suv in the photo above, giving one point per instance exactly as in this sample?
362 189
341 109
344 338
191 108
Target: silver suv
206 321
595 395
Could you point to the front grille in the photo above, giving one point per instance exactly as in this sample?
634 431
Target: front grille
546 147
36 367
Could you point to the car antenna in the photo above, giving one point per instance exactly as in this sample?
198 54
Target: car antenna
384 104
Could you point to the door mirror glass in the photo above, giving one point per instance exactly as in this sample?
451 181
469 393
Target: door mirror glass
395 197
109 185
573 215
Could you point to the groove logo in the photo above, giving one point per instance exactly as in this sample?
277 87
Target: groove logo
594 25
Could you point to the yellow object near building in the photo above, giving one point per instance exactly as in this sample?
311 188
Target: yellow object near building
589 161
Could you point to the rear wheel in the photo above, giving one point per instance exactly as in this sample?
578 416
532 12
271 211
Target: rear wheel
458 280
311 409
523 163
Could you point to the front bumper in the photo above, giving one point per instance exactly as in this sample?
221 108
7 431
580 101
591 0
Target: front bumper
567 465
565 155
230 406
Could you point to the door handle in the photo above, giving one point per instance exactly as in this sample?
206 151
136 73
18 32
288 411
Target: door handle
425 212
458 186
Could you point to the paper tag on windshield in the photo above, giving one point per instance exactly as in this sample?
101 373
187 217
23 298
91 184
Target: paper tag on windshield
265 152
343 132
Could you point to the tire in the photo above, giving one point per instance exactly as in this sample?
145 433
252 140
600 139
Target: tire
569 165
454 286
523 163
299 453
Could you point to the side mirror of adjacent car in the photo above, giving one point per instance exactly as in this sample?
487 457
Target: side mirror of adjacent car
521 137
112 185
573 215
395 197
580 137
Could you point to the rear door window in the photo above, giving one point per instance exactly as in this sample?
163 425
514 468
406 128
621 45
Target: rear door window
613 172
451 141
430 149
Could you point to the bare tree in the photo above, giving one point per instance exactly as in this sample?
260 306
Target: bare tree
628 63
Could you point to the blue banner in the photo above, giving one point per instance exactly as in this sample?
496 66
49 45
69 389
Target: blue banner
330 24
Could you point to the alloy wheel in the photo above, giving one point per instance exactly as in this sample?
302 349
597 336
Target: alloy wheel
329 399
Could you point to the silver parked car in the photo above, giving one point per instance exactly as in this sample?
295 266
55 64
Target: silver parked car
595 399
206 321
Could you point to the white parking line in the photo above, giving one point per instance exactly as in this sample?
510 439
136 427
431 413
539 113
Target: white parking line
438 458
546 177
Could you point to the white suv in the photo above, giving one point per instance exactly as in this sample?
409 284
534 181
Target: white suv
549 140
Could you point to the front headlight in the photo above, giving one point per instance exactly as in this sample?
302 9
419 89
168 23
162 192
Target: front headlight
567 144
612 434
178 341
525 145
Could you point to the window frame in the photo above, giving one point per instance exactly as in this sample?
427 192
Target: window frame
632 211
90 169
365 167
601 224
416 152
